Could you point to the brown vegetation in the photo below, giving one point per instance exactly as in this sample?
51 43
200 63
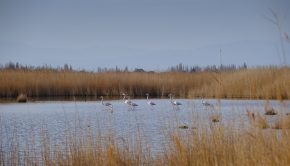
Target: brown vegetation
282 123
218 145
21 98
269 110
215 118
268 83
261 122
256 120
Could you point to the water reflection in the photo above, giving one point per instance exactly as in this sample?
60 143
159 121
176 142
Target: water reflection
60 119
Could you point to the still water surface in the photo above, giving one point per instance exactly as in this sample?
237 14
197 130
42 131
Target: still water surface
29 122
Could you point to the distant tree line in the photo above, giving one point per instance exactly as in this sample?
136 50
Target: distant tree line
177 68
18 66
185 68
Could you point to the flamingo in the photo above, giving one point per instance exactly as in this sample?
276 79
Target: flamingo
205 103
174 103
129 102
107 104
151 103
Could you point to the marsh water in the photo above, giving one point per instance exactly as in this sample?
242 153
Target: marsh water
29 122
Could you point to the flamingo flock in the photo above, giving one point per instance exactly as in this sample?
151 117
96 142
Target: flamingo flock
132 106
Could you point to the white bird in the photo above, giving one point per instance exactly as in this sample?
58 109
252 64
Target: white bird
129 102
205 103
107 104
174 102
151 103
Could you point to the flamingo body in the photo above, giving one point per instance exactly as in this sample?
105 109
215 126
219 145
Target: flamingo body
149 102
107 104
205 103
174 102
129 102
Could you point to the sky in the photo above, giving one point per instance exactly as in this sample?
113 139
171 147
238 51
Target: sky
148 34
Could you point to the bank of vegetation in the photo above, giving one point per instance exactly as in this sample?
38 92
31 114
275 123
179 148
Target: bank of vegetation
194 82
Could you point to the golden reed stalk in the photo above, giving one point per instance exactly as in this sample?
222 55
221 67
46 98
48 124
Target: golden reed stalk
267 83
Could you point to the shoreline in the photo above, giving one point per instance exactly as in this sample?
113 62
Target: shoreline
115 98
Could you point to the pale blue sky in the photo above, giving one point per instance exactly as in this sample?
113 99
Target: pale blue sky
149 34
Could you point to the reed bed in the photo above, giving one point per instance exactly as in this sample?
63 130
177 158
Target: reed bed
267 83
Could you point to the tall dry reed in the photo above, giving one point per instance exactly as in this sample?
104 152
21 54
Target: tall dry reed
268 83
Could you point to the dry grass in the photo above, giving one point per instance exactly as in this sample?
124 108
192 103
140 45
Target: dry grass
48 83
268 109
268 83
256 120
21 98
251 115
216 117
221 144
261 122
282 123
